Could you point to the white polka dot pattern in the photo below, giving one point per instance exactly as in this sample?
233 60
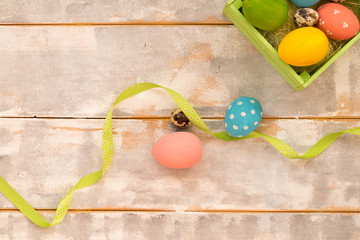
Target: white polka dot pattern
243 116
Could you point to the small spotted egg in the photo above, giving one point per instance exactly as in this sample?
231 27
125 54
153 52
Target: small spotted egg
243 116
306 17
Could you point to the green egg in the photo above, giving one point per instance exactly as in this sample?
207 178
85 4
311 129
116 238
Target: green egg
266 14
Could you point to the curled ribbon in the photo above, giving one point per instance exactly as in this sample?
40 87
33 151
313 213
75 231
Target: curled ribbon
107 155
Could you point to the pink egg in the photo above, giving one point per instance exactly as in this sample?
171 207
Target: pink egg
178 150
337 21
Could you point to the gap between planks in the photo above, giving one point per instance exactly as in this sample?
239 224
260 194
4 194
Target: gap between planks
122 24
270 118
231 211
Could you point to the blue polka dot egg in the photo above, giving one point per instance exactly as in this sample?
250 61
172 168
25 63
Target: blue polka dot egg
243 116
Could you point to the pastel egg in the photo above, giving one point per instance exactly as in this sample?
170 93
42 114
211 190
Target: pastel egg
337 21
243 116
178 150
265 14
304 3
303 47
306 17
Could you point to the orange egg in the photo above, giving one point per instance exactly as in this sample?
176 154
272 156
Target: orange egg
178 150
337 21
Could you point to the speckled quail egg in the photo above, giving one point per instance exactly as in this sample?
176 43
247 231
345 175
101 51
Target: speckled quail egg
306 17
179 119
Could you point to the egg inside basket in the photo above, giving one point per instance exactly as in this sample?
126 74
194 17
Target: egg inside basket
267 42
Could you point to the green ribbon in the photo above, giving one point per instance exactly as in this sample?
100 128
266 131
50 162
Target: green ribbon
107 155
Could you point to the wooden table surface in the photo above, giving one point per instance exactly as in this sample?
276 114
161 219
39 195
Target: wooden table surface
62 64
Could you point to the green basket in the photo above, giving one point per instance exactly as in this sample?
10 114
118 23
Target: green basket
297 81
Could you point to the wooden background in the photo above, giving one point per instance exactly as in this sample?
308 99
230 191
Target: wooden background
62 64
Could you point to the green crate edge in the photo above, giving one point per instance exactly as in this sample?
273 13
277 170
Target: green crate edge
296 81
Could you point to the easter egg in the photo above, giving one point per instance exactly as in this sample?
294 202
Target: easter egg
243 116
305 17
178 150
265 14
304 3
337 21
303 47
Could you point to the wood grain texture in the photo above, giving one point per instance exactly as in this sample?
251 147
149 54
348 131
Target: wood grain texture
185 226
239 190
43 159
78 71
111 11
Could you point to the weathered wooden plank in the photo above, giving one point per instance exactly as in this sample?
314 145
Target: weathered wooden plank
184 226
43 159
78 71
119 11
